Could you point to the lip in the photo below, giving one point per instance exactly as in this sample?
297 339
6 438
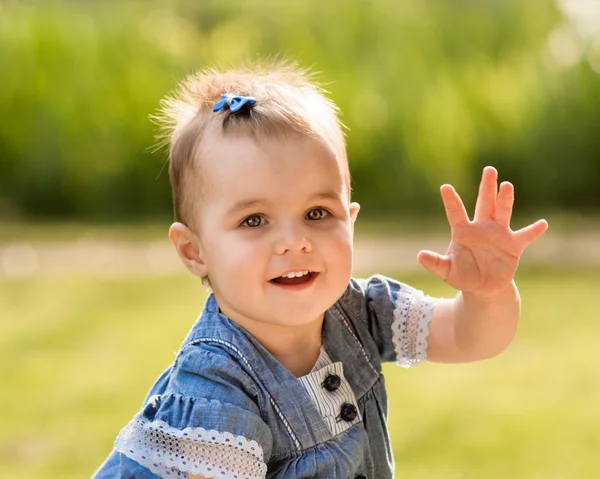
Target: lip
297 287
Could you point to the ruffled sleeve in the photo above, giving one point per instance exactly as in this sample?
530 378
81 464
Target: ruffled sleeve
398 317
220 434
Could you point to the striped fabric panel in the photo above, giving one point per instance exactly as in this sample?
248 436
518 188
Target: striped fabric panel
329 404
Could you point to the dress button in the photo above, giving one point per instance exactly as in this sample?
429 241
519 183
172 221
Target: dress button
362 476
348 412
332 382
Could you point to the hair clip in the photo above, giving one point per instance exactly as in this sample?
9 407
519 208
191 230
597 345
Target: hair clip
234 102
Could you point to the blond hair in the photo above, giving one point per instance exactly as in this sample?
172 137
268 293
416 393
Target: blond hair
289 102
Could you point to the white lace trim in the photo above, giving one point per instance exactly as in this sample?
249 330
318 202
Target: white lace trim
410 328
172 453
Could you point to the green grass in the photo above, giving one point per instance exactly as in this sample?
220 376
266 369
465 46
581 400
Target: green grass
78 355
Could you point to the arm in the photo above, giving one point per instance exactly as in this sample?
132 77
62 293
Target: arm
470 328
480 262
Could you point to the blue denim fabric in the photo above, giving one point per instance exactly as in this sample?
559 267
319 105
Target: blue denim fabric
223 379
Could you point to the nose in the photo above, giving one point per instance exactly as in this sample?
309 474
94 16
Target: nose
293 238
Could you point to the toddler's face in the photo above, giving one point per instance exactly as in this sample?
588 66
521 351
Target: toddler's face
275 209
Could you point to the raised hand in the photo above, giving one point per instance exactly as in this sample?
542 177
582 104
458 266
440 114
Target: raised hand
484 253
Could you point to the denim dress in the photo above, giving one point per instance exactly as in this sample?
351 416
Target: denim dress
226 408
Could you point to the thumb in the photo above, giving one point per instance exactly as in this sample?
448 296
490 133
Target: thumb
436 263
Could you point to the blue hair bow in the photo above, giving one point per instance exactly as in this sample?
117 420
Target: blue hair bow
234 102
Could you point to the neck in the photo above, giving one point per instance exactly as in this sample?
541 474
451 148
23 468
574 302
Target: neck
297 348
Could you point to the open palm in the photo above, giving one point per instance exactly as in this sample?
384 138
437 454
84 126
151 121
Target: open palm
484 253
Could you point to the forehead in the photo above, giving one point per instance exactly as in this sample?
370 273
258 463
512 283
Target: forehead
271 169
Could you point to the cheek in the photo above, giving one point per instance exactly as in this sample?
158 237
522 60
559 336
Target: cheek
234 258
338 247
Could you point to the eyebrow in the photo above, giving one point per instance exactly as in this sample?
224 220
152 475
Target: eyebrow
254 202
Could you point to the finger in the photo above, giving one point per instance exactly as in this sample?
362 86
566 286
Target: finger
436 263
486 199
504 203
455 209
532 232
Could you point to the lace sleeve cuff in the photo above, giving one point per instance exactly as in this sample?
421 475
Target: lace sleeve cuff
172 453
410 327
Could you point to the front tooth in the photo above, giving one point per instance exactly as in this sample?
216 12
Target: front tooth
295 275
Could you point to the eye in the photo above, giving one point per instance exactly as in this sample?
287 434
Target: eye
253 221
316 214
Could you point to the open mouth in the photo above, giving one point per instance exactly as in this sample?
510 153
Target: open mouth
293 279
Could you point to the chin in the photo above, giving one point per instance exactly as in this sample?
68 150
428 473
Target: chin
294 316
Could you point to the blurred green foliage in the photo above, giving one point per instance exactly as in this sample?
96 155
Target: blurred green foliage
431 91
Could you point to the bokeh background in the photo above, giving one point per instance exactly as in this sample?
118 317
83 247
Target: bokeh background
93 302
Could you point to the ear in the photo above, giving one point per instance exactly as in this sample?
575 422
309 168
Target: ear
188 248
354 209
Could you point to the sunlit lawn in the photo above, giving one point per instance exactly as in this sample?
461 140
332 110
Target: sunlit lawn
78 355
